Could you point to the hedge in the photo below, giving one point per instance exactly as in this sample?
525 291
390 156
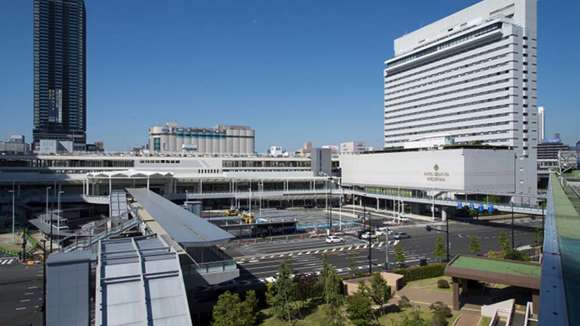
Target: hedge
421 272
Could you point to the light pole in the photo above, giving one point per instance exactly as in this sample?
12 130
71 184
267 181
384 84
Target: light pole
387 250
447 243
59 193
49 217
13 215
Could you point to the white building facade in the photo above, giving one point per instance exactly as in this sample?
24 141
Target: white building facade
221 140
353 147
470 76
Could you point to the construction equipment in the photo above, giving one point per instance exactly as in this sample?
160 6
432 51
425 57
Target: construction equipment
248 218
232 212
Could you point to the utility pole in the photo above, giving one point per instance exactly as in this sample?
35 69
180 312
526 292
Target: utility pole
13 215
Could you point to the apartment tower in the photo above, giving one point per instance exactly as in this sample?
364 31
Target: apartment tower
60 71
470 76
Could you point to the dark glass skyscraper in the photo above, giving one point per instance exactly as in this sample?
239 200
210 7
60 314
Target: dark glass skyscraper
60 71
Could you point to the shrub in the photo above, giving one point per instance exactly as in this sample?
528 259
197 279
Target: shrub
442 284
404 302
421 272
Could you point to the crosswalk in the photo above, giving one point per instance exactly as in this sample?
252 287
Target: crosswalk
8 260
316 251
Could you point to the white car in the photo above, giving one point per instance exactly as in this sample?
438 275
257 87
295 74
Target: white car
368 235
334 239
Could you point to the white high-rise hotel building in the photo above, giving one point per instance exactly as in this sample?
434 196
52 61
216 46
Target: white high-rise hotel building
470 76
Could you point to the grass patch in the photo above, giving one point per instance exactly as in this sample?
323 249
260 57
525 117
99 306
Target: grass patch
317 317
484 321
429 284
397 318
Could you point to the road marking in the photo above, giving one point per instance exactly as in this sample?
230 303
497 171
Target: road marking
20 308
290 254
29 293
308 252
24 300
339 270
325 250
361 267
349 248
254 261
373 245
341 249
365 246
32 287
281 256
333 250
299 254
380 244
272 256
317 251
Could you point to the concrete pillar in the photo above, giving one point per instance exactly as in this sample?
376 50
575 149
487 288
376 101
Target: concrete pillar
378 203
147 183
443 214
455 295
110 186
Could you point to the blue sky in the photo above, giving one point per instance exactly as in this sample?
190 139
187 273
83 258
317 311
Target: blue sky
295 70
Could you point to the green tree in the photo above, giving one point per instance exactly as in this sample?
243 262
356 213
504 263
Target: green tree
231 311
474 245
249 308
399 254
282 294
379 291
504 242
359 310
332 295
439 250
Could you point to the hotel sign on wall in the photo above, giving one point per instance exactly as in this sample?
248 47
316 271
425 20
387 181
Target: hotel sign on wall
436 175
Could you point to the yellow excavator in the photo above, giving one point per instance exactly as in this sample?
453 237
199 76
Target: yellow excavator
248 218
231 212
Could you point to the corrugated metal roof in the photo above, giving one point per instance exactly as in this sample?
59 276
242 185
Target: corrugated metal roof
67 288
139 282
181 225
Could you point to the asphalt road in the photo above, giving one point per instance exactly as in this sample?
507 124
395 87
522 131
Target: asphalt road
260 261
20 294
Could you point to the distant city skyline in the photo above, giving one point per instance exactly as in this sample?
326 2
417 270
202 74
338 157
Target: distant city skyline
295 71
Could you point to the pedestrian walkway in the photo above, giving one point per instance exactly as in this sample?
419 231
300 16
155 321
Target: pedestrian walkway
8 260
469 318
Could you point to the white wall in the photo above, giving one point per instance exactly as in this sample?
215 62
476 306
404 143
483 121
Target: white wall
457 170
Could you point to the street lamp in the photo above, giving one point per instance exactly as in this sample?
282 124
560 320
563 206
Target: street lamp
13 215
60 192
46 216
429 228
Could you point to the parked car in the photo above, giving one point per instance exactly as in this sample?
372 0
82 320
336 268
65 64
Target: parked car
334 239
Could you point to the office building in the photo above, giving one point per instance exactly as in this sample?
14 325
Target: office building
60 71
541 124
353 147
470 76
223 140
16 144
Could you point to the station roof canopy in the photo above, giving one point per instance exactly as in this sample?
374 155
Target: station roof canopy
131 173
181 225
499 271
